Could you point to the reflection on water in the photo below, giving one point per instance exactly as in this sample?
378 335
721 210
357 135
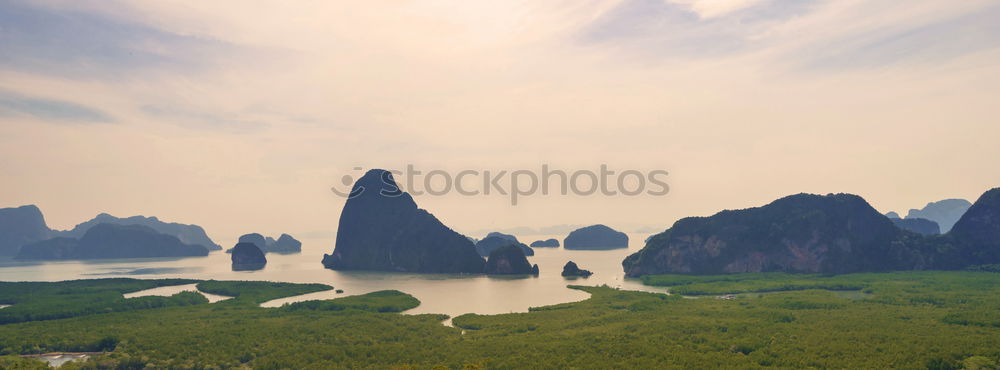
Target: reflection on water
438 293
166 291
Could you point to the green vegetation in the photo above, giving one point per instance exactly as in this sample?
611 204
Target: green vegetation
14 362
984 268
754 283
383 301
905 320
31 301
257 292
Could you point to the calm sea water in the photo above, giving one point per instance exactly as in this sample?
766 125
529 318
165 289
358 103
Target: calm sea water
438 293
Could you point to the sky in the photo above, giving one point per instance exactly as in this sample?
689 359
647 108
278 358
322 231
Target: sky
240 116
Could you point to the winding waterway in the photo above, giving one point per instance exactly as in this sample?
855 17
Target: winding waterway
439 293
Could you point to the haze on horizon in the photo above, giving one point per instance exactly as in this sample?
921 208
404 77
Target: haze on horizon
240 119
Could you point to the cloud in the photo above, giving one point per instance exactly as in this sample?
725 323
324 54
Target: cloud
204 119
739 99
921 38
714 8
49 110
798 34
75 43
659 29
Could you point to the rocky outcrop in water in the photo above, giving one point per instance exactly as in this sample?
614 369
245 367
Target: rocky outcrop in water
836 233
381 228
487 245
548 243
109 241
509 260
187 234
247 256
918 225
285 244
596 237
20 226
255 239
571 269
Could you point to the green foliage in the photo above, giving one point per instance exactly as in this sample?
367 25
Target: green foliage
33 301
906 320
14 362
382 301
257 292
984 268
753 283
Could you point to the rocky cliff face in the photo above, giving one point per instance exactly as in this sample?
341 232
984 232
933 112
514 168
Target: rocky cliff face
918 225
509 260
487 245
187 234
977 233
837 233
595 237
381 228
247 256
108 241
20 226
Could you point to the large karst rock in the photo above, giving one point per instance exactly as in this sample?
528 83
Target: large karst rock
381 228
977 233
836 233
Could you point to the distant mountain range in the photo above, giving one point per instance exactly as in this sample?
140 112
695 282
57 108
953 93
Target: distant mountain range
107 240
944 212
26 225
188 234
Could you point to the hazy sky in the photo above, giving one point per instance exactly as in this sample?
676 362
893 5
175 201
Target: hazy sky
240 117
